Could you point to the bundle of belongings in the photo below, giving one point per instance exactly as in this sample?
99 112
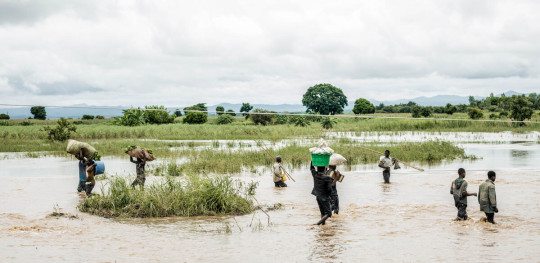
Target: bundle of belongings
141 153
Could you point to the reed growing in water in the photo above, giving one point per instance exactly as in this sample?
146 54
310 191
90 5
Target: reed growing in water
194 196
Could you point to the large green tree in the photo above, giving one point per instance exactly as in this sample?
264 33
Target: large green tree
324 99
363 106
520 108
246 107
39 112
196 117
220 110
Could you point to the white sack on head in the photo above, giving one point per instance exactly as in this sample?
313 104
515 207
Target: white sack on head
337 159
323 148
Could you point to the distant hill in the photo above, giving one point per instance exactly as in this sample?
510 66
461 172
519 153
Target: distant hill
55 113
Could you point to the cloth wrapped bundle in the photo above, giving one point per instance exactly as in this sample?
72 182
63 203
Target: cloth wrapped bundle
323 148
337 159
73 147
141 153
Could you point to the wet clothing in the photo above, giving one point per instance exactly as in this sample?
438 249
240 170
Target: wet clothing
81 186
459 190
325 206
386 176
141 178
334 198
82 176
386 163
462 210
322 183
82 171
487 197
90 181
490 217
280 184
322 189
277 171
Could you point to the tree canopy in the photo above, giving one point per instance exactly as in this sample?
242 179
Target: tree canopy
324 99
363 106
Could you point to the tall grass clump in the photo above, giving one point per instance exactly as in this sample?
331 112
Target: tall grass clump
194 196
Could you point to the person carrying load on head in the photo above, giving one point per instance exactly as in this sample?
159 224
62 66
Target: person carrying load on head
322 189
386 163
90 173
487 197
82 170
141 178
459 191
278 173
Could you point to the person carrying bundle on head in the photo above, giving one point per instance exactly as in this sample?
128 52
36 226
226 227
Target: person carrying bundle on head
139 166
82 170
278 173
322 189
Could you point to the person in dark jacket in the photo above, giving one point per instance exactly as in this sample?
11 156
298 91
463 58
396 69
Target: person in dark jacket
334 174
459 191
322 189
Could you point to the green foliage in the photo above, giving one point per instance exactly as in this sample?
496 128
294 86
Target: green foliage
4 116
100 117
194 196
132 117
328 123
246 107
231 112
157 115
475 113
281 119
450 109
87 117
177 113
520 108
300 121
426 111
416 111
220 110
224 119
61 132
324 99
39 112
262 119
363 106
195 118
503 114
26 123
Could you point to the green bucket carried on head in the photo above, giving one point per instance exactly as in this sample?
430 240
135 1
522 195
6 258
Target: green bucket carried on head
320 159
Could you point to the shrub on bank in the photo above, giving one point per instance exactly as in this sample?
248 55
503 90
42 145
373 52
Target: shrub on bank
196 196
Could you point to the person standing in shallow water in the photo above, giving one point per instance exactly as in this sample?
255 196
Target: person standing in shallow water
459 191
334 174
487 197
141 178
278 172
82 171
322 189
386 163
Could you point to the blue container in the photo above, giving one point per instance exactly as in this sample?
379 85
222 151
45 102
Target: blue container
100 167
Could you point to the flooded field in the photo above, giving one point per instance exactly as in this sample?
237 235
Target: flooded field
410 220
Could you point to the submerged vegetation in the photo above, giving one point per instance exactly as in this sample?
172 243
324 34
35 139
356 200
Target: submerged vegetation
194 196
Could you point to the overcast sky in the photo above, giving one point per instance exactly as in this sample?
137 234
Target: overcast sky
183 52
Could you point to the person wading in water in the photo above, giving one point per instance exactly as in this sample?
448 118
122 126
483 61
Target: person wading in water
459 191
278 173
386 163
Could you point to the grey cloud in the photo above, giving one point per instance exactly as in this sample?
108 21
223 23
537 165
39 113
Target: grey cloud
27 12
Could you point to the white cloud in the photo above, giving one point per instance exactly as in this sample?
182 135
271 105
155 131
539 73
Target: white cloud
180 53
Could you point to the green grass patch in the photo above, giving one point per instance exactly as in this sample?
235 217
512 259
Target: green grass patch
194 196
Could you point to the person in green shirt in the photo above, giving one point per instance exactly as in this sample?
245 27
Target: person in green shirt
487 197
459 191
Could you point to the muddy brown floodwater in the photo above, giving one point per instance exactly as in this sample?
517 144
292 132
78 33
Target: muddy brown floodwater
410 220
